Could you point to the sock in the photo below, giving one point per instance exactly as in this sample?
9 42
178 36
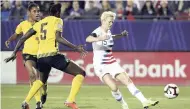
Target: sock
118 96
76 84
136 92
37 96
44 89
33 90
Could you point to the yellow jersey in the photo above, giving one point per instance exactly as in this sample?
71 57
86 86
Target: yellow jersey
46 32
31 44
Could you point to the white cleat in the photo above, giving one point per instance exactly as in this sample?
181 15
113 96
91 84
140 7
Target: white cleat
149 103
125 106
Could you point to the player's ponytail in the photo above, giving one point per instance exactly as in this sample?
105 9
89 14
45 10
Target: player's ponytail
54 9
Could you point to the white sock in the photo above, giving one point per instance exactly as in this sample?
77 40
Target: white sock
136 92
118 96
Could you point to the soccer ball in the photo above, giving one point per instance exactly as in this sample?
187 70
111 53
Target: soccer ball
171 91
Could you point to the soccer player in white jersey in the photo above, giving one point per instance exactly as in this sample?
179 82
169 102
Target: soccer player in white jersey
105 65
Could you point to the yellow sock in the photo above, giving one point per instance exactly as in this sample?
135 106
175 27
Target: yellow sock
76 84
37 96
33 90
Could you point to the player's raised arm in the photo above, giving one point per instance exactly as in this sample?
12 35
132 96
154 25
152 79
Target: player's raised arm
124 33
17 33
95 38
12 38
19 44
63 41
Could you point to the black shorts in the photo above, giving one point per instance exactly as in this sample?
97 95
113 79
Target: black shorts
58 61
29 57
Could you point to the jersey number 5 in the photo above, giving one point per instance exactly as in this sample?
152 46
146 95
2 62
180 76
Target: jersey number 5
43 31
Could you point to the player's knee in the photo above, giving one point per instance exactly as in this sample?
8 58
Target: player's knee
114 88
32 77
83 73
124 78
43 81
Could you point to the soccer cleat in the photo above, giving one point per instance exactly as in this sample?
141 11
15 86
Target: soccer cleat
125 106
149 103
43 98
39 105
72 105
25 105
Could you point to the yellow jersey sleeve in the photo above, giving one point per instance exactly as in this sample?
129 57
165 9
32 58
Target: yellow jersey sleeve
36 26
59 25
19 29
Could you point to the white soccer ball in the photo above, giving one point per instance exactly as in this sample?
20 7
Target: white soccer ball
171 91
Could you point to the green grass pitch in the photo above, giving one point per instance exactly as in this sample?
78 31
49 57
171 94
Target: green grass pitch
93 97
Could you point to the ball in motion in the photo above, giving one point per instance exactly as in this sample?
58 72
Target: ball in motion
171 91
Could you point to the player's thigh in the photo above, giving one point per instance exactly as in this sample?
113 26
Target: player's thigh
30 65
114 69
108 80
59 62
44 70
74 69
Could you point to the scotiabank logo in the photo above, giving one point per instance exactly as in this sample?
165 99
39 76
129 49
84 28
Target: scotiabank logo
138 69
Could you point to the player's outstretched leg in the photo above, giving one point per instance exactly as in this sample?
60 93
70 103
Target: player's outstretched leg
30 65
124 78
36 86
79 74
107 79
34 89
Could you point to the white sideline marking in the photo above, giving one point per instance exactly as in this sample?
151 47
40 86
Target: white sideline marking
94 98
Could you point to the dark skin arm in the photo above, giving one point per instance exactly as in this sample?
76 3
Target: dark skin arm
63 41
124 33
12 38
20 43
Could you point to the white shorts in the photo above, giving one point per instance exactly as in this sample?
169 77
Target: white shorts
112 69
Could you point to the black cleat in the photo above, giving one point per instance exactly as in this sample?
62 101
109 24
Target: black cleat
38 105
25 105
43 98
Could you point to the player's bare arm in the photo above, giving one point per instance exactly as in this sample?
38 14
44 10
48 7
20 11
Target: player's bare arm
12 38
91 38
124 33
19 44
63 41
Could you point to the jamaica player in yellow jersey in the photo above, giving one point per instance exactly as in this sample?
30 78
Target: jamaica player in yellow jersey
30 49
49 31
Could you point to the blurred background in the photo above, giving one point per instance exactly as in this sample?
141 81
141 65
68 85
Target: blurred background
157 47
125 10
155 53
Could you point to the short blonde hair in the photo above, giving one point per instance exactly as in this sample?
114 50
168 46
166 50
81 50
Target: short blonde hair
107 14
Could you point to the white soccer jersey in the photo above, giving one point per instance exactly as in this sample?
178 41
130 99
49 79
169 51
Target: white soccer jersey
103 60
103 49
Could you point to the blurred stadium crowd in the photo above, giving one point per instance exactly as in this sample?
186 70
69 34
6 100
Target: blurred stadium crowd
128 9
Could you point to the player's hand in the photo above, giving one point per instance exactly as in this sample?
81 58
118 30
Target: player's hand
12 57
7 43
124 33
81 50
